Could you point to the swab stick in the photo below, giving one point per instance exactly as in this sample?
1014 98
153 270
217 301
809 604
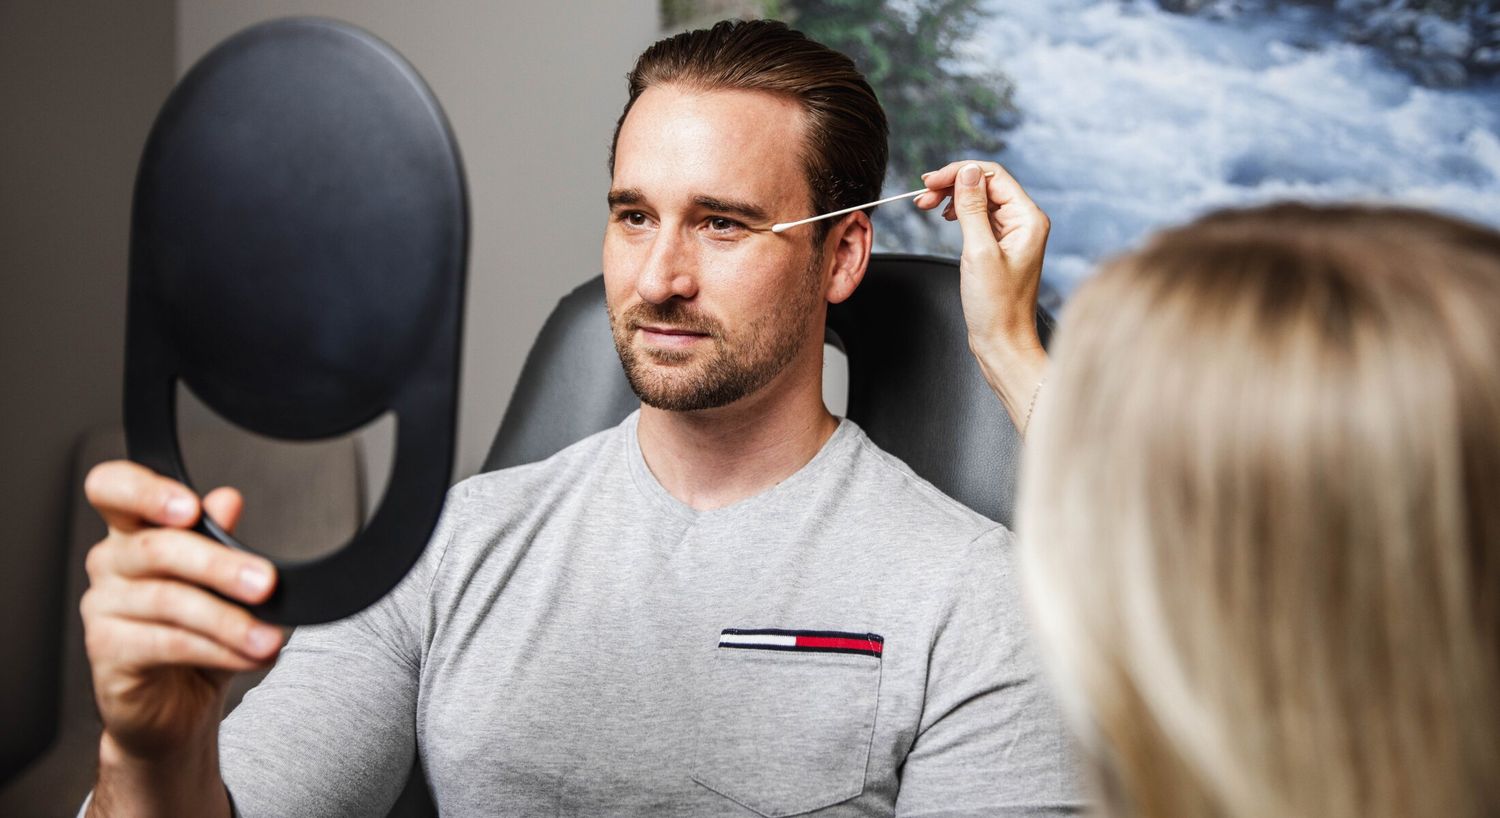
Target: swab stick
777 228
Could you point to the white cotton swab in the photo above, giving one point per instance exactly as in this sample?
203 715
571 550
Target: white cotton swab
777 228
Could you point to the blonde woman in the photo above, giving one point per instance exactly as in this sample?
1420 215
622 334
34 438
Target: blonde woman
1261 505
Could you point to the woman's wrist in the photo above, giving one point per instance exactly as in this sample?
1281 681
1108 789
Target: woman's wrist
1014 366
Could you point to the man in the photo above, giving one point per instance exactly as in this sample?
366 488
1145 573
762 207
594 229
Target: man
731 604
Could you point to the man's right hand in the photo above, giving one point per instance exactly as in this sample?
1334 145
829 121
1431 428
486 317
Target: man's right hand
162 646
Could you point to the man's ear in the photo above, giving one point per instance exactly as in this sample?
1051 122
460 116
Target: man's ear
850 240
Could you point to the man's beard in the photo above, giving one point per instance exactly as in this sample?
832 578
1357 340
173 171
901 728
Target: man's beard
734 367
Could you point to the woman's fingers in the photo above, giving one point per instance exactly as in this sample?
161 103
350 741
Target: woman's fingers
1003 189
944 177
930 199
971 201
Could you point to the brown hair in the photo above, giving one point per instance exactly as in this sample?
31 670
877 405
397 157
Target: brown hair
846 151
1261 517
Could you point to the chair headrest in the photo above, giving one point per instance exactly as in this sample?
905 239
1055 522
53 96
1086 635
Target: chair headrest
914 387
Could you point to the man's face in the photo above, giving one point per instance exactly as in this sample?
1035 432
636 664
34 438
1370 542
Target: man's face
705 303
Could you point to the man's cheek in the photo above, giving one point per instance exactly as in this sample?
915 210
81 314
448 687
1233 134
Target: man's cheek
619 288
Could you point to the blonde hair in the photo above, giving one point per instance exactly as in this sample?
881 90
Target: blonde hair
1261 517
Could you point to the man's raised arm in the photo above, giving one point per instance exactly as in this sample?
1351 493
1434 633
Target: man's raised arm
162 647
331 730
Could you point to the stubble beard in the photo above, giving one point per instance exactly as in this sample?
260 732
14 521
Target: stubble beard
734 368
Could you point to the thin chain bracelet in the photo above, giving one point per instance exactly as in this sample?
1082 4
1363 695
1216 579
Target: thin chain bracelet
1029 409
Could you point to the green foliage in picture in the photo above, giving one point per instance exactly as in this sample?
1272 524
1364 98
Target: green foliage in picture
681 15
941 106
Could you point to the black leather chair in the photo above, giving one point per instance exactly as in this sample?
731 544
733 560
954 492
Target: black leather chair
913 385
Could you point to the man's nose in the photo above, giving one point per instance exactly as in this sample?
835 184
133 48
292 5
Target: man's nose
670 269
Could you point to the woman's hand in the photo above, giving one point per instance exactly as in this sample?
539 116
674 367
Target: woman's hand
1005 239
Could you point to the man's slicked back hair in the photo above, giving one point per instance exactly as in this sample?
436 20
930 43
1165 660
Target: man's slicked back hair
845 153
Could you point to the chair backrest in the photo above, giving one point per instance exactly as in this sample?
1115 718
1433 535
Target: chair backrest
913 385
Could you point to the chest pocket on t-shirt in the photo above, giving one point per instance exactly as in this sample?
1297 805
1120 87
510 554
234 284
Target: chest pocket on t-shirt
786 727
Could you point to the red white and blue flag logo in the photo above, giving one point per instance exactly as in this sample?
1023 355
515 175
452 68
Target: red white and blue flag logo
865 644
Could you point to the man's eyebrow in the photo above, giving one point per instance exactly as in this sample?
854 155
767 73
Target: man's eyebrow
628 196
625 196
745 210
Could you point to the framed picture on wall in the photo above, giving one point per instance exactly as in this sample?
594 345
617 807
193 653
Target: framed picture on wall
1123 116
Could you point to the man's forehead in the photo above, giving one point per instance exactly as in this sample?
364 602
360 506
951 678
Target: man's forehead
687 144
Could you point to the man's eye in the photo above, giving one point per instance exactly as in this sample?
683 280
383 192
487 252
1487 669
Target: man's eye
634 218
719 224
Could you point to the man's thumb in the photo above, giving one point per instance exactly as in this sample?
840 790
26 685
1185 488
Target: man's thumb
224 506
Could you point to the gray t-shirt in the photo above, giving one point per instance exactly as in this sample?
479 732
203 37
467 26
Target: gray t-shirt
575 641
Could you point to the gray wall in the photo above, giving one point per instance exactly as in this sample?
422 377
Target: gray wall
79 84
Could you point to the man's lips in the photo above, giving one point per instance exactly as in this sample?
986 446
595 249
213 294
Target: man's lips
670 336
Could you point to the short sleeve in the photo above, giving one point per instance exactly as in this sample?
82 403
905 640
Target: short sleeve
991 741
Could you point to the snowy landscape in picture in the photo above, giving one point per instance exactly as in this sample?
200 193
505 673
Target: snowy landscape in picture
1133 118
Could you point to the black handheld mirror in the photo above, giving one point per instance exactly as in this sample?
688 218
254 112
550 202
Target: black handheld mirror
298 244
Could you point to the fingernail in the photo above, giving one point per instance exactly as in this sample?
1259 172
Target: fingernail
927 174
254 579
264 638
969 175
180 508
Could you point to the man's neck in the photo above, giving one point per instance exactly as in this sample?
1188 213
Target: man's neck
716 457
